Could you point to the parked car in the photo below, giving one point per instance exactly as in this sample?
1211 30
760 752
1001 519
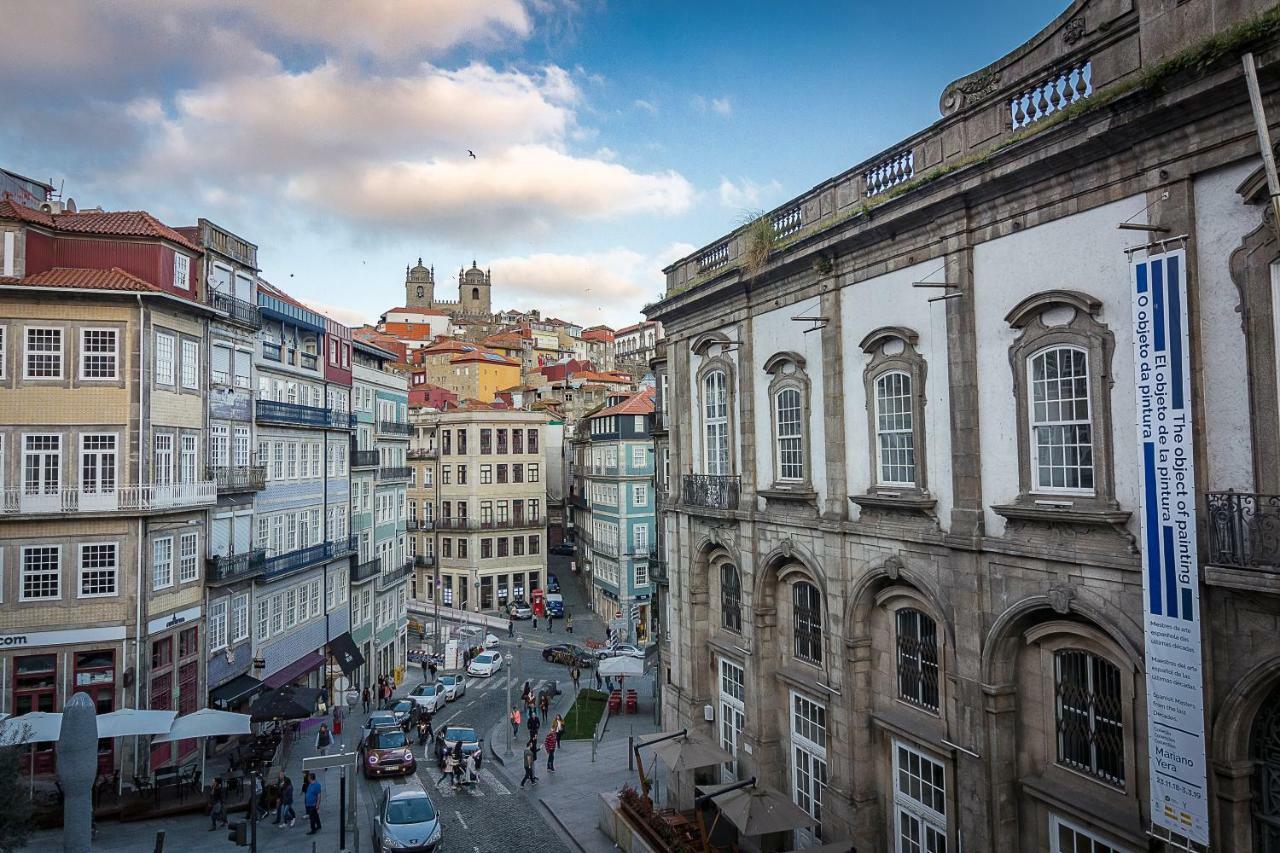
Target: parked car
430 697
555 604
485 664
553 583
468 636
386 752
569 655
401 710
564 549
454 686
620 650
407 820
490 641
520 609
464 734
377 720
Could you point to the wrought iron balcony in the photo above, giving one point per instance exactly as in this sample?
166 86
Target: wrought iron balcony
425 561
659 424
711 490
304 558
424 453
420 524
400 472
455 524
391 577
515 522
229 568
239 478
364 458
394 428
275 412
579 500
367 570
657 567
1244 530
136 499
237 310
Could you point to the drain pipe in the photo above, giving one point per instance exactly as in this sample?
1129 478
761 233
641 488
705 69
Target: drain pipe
142 449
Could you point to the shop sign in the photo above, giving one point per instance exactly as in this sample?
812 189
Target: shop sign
173 620
37 639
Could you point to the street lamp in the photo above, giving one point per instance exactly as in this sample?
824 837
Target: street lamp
519 645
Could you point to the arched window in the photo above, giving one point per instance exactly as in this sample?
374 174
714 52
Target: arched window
917 658
1089 711
807 620
787 409
421 292
1061 425
1264 750
715 421
730 598
895 429
475 294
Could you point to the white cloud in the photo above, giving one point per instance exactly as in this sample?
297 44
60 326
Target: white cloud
719 106
648 106
347 316
746 192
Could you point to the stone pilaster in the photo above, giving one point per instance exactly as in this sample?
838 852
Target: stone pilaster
836 504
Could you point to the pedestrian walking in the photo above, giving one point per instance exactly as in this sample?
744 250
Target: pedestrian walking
568 623
287 814
425 669
529 761
432 670
440 750
551 622
550 744
366 697
574 675
598 680
545 704
533 746
459 764
450 765
511 628
311 800
535 621
337 723
280 780
515 720
323 740
534 724
217 805
258 798
558 725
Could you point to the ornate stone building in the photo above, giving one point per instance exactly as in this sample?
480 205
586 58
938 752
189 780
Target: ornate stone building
904 536
473 292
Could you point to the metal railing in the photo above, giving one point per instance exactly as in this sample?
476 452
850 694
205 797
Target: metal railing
151 498
515 522
1244 530
364 458
228 568
235 309
273 411
292 561
391 577
420 524
424 453
425 561
657 567
366 570
451 523
395 428
713 491
400 472
239 478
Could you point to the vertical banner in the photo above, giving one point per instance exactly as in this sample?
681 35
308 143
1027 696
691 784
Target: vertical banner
1170 569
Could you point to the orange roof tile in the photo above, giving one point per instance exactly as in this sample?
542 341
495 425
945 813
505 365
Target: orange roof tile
639 403
115 223
485 357
10 209
85 279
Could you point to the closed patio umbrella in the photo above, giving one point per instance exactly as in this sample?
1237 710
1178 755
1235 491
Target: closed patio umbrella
206 723
132 721
756 809
31 728
682 752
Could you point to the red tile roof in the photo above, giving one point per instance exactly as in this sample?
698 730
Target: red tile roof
594 376
10 209
639 403
417 311
112 223
85 279
492 358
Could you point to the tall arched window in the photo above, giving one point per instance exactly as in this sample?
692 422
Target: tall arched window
1090 715
788 410
730 598
420 292
917 658
715 422
1264 750
806 618
895 429
475 293
1061 425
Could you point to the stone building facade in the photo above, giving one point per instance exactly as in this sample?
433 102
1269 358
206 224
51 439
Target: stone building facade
474 292
903 538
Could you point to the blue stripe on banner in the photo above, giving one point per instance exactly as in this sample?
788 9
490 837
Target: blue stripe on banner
1187 613
1157 302
1175 332
1170 574
1152 525
1142 277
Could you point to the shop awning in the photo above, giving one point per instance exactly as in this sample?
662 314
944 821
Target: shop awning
234 690
343 650
297 669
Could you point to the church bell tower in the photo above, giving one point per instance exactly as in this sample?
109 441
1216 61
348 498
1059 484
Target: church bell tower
419 286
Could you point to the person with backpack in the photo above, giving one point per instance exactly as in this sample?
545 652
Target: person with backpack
324 740
550 744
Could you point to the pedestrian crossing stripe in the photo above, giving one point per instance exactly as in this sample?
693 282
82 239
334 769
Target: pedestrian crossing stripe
444 786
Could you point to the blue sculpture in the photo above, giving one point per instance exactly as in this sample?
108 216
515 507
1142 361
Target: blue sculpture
77 767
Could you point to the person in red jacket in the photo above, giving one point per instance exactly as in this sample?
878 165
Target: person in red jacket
551 742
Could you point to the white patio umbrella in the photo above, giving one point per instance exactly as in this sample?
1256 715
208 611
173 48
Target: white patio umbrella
621 666
206 723
132 721
31 728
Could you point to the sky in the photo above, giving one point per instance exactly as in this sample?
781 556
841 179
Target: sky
610 138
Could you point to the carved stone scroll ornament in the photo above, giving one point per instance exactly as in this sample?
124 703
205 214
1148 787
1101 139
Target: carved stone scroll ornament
1074 30
1060 596
959 95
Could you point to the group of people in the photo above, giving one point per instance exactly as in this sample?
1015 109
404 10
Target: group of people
533 723
285 814
464 768
381 693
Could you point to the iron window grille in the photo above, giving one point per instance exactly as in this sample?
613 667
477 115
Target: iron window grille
730 599
917 658
1089 715
807 610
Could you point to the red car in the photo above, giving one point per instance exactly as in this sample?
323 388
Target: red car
386 752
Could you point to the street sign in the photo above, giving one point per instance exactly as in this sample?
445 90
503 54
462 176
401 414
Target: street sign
320 762
617 614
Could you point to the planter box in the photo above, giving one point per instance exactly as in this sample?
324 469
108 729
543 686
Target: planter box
621 829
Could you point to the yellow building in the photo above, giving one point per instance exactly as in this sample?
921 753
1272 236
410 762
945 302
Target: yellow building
469 372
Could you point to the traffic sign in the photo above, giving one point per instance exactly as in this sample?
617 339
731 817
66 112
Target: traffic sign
617 614
319 762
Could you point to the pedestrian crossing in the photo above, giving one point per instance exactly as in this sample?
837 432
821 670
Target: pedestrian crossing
489 785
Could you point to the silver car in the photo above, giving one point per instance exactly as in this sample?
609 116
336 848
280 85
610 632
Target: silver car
455 686
407 820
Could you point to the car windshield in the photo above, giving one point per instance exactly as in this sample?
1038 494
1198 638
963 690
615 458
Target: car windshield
425 690
410 810
381 720
447 679
403 707
484 659
388 739
462 733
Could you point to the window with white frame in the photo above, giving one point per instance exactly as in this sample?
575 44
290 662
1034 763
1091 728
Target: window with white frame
219 445
181 271
162 469
788 410
4 332
639 494
218 625
733 714
189 459
1061 424
291 608
99 354
42 354
188 557
164 357
191 364
98 463
277 615
895 429
240 618
162 562
240 447
640 539
41 464
220 364
715 423
919 802
808 760
1068 837
41 572
99 569
639 457
262 620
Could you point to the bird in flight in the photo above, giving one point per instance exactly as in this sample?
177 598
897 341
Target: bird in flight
471 154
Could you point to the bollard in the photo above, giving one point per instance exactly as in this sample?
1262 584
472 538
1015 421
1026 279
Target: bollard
631 752
159 842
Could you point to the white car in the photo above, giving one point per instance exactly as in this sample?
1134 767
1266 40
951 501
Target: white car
454 686
485 664
430 697
621 650
490 641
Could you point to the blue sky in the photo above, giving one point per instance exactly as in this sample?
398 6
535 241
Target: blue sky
611 138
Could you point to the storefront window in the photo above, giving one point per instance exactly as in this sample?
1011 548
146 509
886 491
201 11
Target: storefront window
35 688
162 653
95 676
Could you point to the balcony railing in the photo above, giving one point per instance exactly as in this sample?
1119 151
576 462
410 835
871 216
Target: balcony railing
711 490
153 498
391 577
516 522
293 561
420 524
1244 530
366 570
455 523
399 472
238 310
425 561
659 423
364 458
424 453
273 411
239 478
394 428
657 567
580 501
228 568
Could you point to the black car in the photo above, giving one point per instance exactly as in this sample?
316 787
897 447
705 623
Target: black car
553 583
569 655
564 549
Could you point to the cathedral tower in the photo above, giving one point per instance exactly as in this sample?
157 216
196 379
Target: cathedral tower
419 286
473 292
